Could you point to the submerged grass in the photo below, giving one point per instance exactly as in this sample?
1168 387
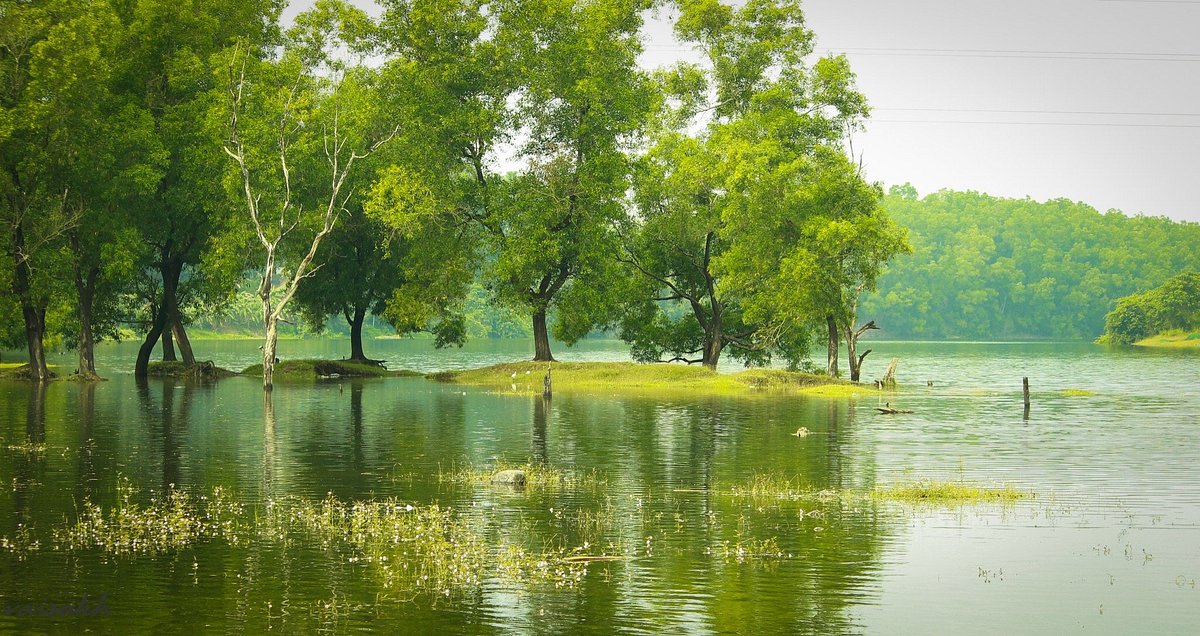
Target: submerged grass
947 492
1076 393
538 476
526 378
770 487
412 549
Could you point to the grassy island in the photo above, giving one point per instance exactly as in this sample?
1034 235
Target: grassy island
20 370
526 377
313 369
1172 339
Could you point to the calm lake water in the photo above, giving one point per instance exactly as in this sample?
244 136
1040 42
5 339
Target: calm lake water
1110 544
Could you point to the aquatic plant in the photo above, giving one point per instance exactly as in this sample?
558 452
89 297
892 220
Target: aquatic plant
170 523
538 475
22 543
947 492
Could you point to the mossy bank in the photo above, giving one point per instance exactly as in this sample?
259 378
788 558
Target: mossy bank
314 369
596 377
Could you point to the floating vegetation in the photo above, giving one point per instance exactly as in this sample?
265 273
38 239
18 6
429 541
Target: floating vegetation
22 543
769 487
412 549
1076 393
415 548
748 549
536 475
171 523
947 492
27 448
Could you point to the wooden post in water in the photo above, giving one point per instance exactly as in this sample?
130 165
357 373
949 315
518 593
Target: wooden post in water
1025 387
546 384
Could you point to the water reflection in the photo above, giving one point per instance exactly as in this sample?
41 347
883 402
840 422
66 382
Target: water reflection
30 467
668 464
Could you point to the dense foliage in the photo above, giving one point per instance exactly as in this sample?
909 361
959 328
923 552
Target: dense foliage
1173 305
988 268
446 166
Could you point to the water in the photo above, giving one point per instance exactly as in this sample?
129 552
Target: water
1110 544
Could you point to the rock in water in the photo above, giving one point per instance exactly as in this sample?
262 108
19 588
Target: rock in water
512 477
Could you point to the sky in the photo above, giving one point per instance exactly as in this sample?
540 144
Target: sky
1091 100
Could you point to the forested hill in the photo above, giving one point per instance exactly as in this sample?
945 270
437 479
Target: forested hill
989 268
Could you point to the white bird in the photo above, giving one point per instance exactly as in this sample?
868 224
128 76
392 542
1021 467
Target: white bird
801 432
514 375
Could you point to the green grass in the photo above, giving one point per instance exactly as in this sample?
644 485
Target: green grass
526 378
1173 339
313 369
947 493
537 476
20 370
176 369
1076 393
409 548
765 488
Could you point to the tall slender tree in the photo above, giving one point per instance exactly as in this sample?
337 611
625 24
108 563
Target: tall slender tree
298 126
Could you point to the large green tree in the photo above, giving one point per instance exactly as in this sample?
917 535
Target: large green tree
168 68
580 102
720 209
104 157
37 210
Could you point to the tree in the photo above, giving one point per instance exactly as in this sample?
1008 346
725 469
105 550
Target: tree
768 119
34 213
103 155
581 100
296 128
168 68
413 277
674 248
1173 305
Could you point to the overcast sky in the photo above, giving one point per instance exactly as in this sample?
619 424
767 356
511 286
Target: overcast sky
1093 100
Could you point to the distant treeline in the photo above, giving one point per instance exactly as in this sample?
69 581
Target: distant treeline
992 268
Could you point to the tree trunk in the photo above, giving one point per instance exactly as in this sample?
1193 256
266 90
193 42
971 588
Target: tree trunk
356 324
834 347
541 338
185 345
87 349
171 269
35 317
141 367
856 360
168 344
714 342
35 333
85 290
272 337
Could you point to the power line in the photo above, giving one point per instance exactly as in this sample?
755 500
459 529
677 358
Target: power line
1028 123
1038 112
1023 55
1117 56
